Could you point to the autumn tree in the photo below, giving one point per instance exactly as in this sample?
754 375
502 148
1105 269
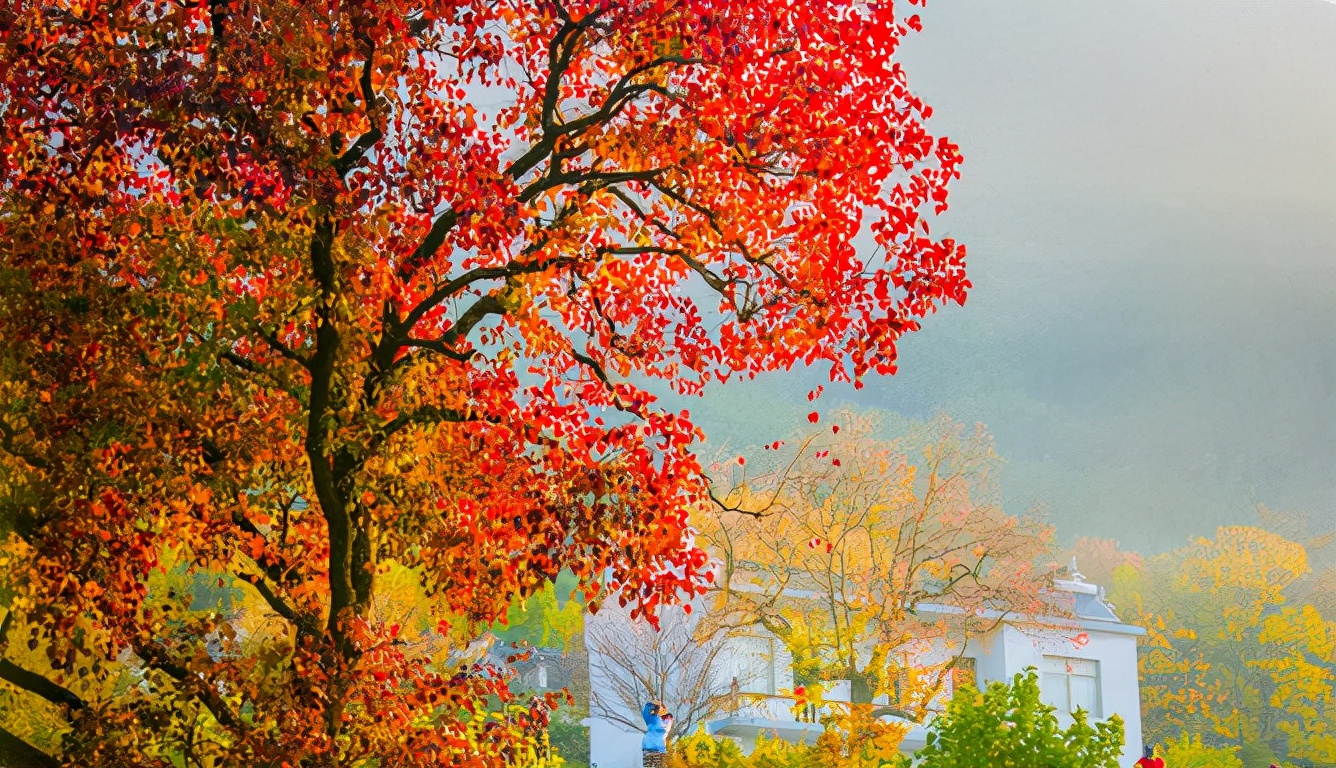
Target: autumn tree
858 552
300 292
1231 654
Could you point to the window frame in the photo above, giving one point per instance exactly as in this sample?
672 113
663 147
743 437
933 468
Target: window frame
1068 668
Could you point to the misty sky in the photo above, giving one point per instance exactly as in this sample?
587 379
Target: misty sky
1149 202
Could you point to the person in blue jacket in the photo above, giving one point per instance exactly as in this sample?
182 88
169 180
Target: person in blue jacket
655 744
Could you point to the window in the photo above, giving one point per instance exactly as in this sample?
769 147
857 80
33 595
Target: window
751 661
1071 684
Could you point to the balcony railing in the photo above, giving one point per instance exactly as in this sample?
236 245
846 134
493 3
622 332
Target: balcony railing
774 707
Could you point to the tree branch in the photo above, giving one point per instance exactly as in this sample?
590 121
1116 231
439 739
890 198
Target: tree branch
595 179
430 244
439 347
7 436
278 346
305 624
37 684
155 656
560 52
366 141
241 362
484 306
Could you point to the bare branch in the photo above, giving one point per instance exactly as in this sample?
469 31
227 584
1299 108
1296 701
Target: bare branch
632 663
775 495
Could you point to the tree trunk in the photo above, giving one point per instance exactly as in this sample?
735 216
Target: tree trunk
17 753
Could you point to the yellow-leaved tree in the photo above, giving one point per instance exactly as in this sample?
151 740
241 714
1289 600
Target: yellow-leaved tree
1231 654
862 555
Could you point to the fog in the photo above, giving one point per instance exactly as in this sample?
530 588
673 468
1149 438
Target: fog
1149 202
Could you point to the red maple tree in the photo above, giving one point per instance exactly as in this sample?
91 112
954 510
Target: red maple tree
295 291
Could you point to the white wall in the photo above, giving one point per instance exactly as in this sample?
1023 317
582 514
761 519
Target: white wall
611 746
990 661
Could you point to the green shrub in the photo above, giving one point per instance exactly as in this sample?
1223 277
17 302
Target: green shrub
1008 726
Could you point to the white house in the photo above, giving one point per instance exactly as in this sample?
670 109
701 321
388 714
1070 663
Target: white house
1088 661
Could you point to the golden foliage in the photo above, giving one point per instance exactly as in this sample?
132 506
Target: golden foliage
859 552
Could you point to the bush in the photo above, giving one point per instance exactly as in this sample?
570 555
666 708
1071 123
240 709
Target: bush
1008 725
835 749
1189 752
700 750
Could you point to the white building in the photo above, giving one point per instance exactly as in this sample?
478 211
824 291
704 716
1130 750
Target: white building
1089 661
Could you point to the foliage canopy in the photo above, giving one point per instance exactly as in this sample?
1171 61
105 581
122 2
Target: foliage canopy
300 293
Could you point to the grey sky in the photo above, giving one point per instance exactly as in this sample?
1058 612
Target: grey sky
1149 200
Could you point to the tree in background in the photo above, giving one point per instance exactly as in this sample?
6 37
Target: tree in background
632 662
543 621
1098 559
1318 537
303 291
1230 654
1008 725
842 546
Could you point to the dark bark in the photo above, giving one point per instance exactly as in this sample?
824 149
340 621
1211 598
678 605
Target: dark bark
17 753
35 683
333 504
